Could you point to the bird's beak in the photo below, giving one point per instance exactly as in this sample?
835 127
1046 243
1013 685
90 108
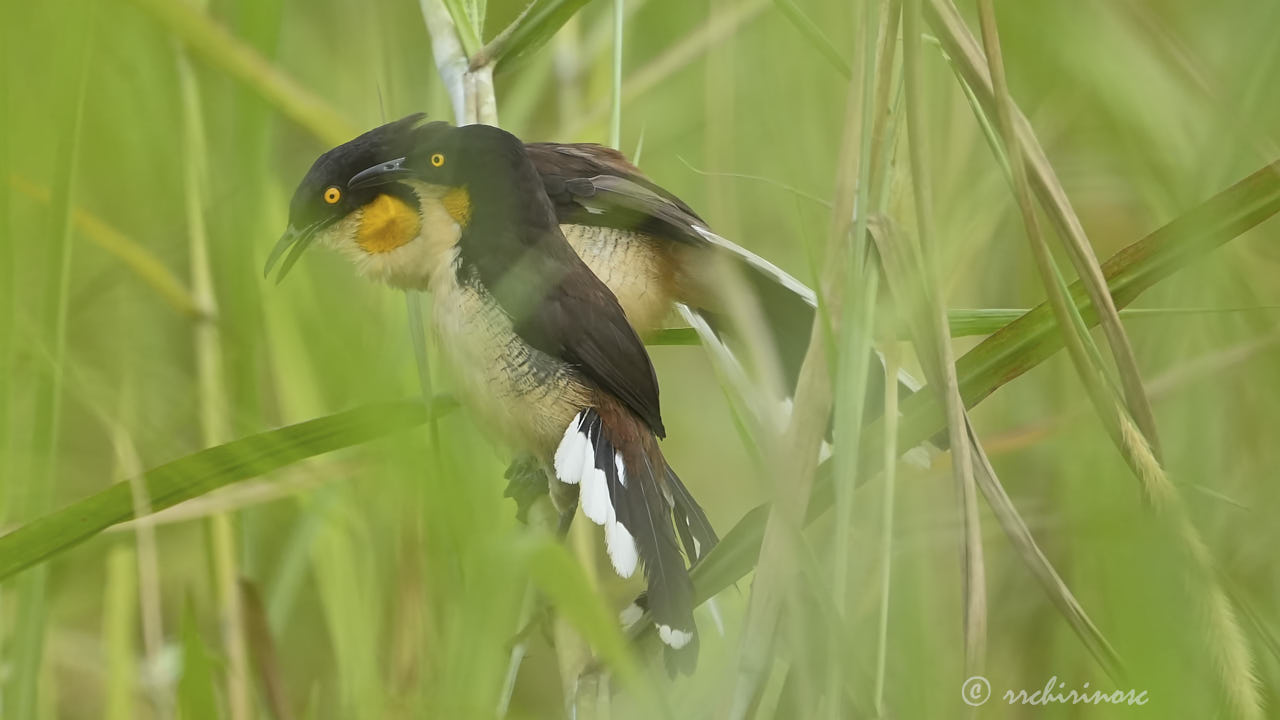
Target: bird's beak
379 174
295 238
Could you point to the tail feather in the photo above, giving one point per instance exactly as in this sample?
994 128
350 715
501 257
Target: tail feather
627 487
695 530
648 515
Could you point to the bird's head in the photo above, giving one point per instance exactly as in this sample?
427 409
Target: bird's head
395 200
369 225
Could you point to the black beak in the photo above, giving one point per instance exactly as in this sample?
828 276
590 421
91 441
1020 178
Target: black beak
379 174
295 238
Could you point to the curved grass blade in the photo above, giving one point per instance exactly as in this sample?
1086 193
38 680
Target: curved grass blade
985 80
207 470
807 27
535 25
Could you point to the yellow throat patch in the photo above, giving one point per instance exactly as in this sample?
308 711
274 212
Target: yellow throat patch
387 223
457 202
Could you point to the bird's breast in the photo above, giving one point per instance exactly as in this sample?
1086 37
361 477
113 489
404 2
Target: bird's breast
635 266
522 394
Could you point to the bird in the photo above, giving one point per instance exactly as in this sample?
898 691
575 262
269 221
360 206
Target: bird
540 348
655 253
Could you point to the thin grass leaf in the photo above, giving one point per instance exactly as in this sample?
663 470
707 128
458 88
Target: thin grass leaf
815 36
960 44
965 322
261 641
197 696
464 24
933 342
1036 561
27 644
564 582
207 470
890 460
1032 338
119 625
532 28
1080 347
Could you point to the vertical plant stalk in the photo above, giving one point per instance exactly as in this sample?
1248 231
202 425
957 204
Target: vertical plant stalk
215 426
118 629
615 109
890 461
130 469
855 333
418 338
26 652
936 341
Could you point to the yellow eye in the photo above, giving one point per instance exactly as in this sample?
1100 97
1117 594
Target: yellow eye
437 160
332 195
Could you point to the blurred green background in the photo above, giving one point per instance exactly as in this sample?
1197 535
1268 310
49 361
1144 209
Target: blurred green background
147 160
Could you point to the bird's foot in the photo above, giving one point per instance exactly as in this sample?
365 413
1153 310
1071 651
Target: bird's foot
526 483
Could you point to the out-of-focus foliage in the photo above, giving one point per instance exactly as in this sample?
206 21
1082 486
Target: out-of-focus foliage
392 575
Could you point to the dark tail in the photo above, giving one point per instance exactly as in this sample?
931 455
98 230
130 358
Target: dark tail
627 487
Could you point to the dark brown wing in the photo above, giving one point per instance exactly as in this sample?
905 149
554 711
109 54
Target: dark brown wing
595 185
579 320
559 306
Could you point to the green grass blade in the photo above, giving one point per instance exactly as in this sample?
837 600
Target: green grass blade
528 32
27 649
119 628
197 698
814 35
1026 342
560 578
466 29
207 470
